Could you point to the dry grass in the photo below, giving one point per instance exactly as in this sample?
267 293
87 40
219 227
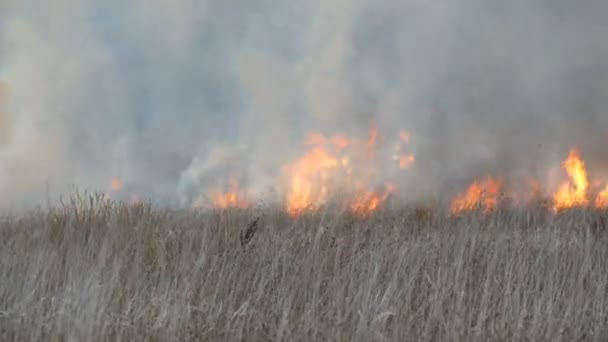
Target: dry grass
92 270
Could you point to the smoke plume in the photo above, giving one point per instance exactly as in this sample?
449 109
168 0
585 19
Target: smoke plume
174 97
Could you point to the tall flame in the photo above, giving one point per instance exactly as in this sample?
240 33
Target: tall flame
308 188
573 192
328 168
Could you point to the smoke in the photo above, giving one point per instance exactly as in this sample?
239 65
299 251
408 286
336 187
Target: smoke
173 97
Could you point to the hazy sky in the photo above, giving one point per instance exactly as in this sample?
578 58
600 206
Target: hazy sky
170 95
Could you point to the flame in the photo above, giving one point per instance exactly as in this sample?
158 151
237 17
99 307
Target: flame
308 188
337 165
406 161
328 168
117 189
339 141
601 201
368 201
573 192
234 198
116 184
482 194
373 136
371 142
404 136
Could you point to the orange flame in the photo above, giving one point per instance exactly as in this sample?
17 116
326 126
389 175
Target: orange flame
326 168
601 200
373 136
368 201
371 142
234 198
339 140
116 184
572 193
308 188
406 161
479 195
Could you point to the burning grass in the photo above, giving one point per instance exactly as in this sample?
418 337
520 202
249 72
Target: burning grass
353 172
92 269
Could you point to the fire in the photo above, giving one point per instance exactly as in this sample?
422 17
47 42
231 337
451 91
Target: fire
371 143
406 161
573 192
368 201
404 136
116 184
117 190
373 136
601 200
330 167
234 198
340 141
308 187
482 194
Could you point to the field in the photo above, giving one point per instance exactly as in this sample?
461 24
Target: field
91 269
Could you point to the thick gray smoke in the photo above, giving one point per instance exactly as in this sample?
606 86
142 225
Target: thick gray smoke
174 96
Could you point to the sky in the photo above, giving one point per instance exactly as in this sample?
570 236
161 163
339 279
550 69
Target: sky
172 96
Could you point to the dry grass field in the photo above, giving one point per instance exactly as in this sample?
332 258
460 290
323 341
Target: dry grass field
95 270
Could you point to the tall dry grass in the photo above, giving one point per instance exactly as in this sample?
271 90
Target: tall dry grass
94 270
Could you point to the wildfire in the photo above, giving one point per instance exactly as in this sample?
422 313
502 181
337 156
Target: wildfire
340 141
117 189
368 201
404 136
116 184
309 180
373 137
328 168
234 198
601 200
482 194
406 161
573 192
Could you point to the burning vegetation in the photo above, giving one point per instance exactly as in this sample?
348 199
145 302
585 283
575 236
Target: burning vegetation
232 198
351 174
484 195
345 170
574 191
334 165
